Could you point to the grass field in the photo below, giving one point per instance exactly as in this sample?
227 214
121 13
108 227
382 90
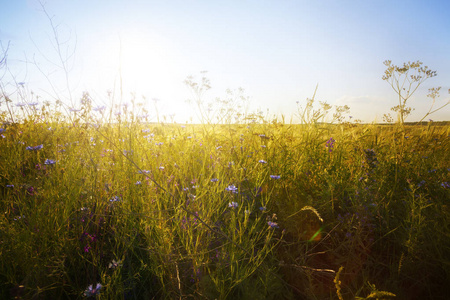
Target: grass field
257 210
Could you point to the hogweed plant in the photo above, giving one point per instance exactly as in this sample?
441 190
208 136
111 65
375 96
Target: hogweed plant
405 80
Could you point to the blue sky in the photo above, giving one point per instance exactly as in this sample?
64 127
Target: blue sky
278 51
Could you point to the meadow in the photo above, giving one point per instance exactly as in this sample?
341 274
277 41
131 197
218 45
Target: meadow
96 204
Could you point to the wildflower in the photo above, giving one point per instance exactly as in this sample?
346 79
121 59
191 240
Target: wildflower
10 185
114 264
232 188
138 182
214 180
445 185
143 171
161 168
33 103
262 208
272 224
31 190
90 291
115 199
49 162
99 108
39 147
330 144
2 130
233 205
74 110
275 176
21 104
262 161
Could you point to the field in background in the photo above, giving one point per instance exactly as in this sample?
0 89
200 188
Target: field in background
264 210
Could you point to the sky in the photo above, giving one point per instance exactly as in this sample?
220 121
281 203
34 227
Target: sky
277 51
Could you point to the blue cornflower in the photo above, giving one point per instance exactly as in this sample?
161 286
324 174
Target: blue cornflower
262 208
39 147
330 144
232 188
114 264
272 224
138 182
275 176
90 291
2 130
262 161
10 185
49 162
115 199
445 185
233 205
214 180
99 108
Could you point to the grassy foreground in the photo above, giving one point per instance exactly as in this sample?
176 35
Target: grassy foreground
129 210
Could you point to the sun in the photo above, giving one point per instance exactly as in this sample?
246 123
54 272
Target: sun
141 60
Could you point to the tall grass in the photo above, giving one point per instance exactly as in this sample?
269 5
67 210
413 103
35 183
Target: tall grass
253 210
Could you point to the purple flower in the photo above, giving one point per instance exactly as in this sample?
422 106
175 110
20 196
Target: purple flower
39 147
2 130
262 161
330 144
90 291
214 180
445 185
99 108
232 188
233 205
49 162
10 185
115 199
275 176
114 264
272 224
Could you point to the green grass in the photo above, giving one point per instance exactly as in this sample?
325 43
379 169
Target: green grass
164 211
